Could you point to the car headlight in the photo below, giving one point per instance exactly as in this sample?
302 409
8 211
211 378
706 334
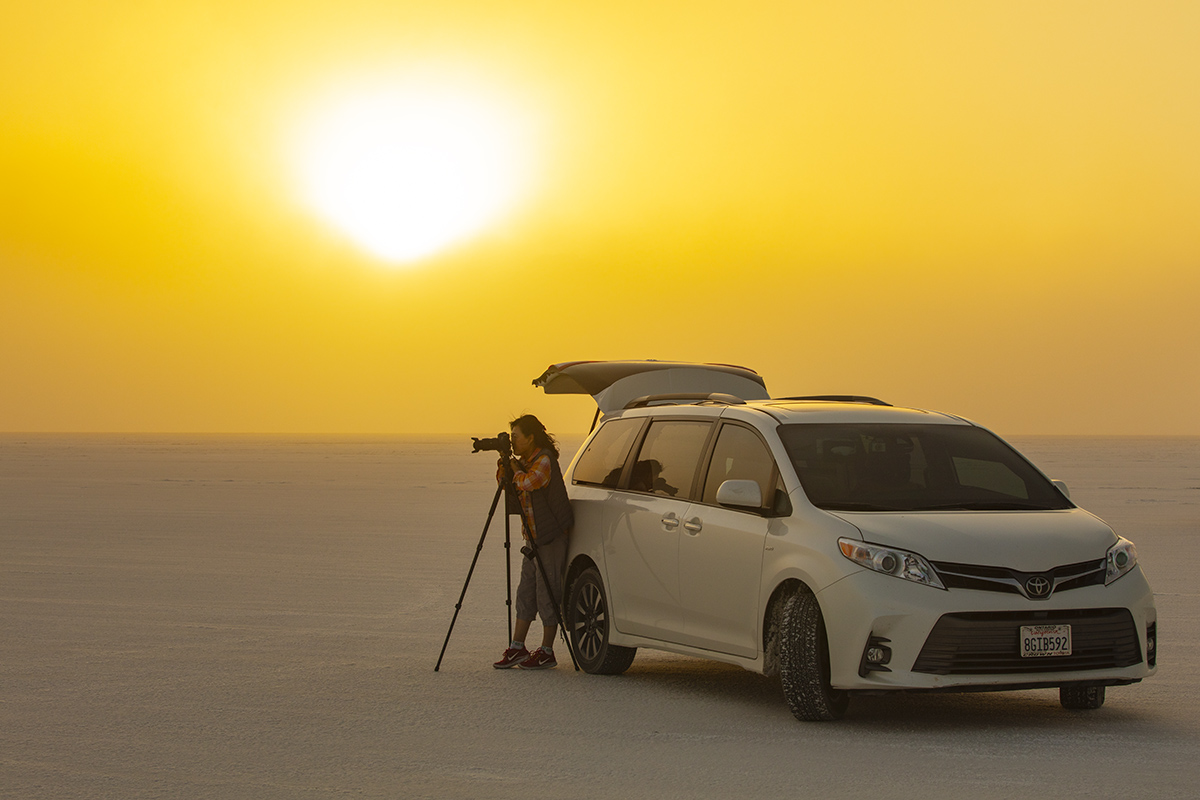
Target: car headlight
1121 558
890 561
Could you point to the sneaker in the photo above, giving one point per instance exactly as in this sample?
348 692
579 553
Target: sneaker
512 657
539 659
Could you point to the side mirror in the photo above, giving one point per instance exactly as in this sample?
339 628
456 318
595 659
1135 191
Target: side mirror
740 494
1062 487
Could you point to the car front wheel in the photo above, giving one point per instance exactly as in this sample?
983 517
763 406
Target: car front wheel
804 662
589 625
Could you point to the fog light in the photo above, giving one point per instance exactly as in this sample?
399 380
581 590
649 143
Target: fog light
1152 644
875 656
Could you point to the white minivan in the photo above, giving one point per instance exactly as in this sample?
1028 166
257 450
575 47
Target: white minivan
843 544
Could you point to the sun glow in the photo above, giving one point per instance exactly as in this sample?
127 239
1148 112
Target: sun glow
408 169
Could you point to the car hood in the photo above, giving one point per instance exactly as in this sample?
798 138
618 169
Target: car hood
1030 541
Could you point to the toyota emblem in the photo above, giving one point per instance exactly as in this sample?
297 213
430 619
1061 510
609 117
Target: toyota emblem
1037 586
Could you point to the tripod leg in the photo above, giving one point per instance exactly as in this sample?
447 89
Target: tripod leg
508 570
478 549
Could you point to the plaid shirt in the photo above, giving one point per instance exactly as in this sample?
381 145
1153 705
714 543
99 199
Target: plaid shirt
526 479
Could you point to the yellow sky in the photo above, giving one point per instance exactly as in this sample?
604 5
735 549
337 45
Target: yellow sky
991 209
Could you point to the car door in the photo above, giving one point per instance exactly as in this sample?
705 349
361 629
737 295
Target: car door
642 553
721 549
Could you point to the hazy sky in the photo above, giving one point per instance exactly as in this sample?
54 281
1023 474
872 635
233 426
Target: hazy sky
991 209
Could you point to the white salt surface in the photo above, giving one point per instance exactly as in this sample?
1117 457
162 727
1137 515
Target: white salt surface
187 617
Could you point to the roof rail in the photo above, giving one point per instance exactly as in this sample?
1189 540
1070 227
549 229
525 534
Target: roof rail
839 398
685 397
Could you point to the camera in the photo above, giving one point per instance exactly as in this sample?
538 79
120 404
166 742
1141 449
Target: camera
502 444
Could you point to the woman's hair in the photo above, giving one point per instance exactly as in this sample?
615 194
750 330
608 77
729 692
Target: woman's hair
532 426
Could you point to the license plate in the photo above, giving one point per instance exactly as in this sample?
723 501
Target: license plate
1039 641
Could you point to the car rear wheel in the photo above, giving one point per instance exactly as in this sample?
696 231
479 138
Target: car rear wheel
804 662
1081 697
589 625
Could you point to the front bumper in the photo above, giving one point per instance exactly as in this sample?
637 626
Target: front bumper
867 604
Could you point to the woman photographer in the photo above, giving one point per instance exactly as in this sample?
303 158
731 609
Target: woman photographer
546 522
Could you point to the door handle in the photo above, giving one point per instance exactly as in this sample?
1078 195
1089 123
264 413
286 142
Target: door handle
693 525
670 521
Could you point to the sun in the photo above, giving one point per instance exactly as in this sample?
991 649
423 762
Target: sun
410 168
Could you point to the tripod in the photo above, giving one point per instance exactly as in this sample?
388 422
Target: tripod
509 492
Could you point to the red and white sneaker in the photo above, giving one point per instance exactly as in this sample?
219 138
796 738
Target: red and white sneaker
512 657
539 659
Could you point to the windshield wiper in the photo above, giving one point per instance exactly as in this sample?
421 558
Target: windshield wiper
984 505
858 507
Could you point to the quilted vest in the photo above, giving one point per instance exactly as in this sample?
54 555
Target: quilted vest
552 514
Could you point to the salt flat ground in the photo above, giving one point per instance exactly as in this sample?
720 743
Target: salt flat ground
186 617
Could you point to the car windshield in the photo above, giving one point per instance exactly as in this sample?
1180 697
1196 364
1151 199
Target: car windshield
904 467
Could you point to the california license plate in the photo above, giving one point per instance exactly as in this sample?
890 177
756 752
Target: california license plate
1039 641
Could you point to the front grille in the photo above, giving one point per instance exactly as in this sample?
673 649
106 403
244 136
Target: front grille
988 642
1002 579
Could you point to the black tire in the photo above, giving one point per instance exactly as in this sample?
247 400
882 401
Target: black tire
588 626
1081 697
804 662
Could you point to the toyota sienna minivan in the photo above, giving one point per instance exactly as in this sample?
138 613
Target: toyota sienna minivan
846 545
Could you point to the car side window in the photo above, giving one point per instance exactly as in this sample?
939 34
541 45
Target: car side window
667 461
739 455
601 464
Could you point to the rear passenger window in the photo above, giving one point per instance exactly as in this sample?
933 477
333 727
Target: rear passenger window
739 456
666 464
602 462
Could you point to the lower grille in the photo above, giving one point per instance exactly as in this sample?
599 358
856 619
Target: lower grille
988 642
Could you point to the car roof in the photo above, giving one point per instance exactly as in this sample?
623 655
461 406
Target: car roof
815 411
792 411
